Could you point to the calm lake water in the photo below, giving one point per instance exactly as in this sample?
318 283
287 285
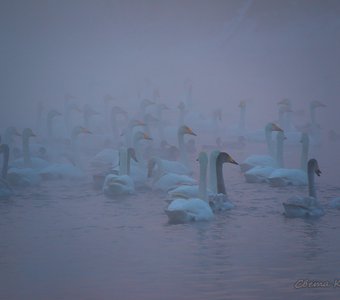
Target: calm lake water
65 240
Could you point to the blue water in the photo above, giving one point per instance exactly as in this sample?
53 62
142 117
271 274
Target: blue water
65 240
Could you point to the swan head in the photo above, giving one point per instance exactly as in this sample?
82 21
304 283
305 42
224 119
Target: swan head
135 123
242 104
13 131
119 110
132 154
162 106
316 104
285 108
146 102
186 130
53 113
181 106
224 157
314 166
139 135
273 127
281 136
27 132
79 129
108 98
285 102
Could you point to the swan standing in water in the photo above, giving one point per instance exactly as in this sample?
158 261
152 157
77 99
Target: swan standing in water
284 177
301 207
5 190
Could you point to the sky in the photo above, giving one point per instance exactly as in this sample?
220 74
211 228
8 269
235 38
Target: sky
260 50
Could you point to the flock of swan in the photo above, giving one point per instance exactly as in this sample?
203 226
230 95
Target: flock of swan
126 158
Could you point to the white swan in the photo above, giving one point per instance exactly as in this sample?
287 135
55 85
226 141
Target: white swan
284 177
194 191
260 174
5 190
165 181
302 207
25 171
194 206
122 184
262 160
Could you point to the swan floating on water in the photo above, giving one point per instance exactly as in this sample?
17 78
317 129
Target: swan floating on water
302 207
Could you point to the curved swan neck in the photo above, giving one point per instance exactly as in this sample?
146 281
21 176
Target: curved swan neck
181 146
311 184
26 150
220 179
279 149
304 153
5 151
268 135
212 171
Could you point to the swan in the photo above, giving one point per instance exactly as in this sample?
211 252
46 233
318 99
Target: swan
262 160
9 135
283 177
220 201
5 190
165 181
193 206
24 171
122 183
194 191
262 173
309 206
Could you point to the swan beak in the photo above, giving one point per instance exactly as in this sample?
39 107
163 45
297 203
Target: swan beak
133 155
85 130
318 172
189 131
276 128
232 161
33 134
147 137
17 133
242 104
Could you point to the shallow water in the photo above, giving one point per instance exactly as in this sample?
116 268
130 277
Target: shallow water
65 240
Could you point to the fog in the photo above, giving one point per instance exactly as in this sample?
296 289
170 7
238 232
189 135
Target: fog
63 236
261 51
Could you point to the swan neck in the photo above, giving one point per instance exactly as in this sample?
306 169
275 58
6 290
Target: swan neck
212 173
203 180
268 134
220 179
279 153
5 162
26 150
181 146
304 156
311 184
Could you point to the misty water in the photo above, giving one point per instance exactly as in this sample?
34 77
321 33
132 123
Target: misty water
66 240
219 67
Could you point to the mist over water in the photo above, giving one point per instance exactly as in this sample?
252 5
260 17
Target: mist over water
64 239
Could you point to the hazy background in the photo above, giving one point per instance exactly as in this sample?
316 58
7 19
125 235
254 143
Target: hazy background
261 50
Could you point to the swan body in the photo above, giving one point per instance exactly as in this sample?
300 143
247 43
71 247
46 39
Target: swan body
302 207
260 174
118 185
263 160
122 184
284 177
170 181
189 210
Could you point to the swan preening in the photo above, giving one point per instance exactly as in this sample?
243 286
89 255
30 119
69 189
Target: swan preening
306 206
